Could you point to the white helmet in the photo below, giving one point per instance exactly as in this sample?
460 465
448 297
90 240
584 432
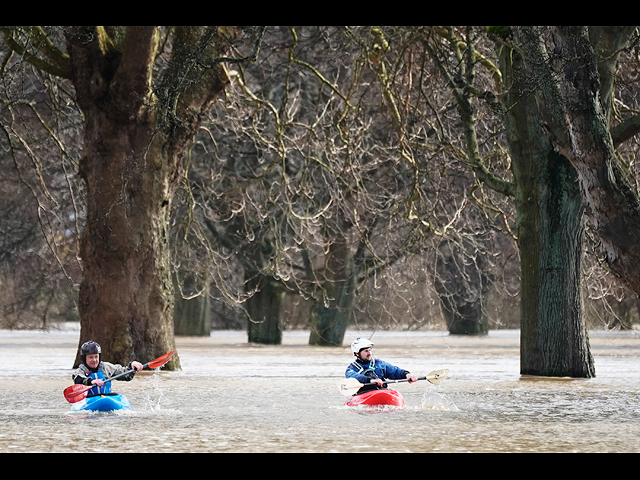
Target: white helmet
360 344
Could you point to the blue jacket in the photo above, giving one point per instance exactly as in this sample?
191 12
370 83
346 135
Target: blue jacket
364 373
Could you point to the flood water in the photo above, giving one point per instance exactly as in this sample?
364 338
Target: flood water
234 397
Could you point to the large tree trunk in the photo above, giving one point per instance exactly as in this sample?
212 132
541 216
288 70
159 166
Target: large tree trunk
554 341
574 84
126 296
131 164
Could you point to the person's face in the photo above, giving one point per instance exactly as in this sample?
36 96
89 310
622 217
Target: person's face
93 360
365 355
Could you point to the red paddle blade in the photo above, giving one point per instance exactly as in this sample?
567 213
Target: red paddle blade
76 393
158 362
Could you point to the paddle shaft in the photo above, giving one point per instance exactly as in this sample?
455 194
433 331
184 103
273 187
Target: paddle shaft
108 380
157 363
421 379
433 378
123 374
349 385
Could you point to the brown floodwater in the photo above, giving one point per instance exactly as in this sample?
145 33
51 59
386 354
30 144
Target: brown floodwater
234 397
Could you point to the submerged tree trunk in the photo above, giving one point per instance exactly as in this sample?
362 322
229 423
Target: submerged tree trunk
462 285
551 233
334 305
131 163
126 296
192 316
550 236
265 309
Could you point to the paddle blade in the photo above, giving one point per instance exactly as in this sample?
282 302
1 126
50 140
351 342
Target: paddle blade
159 362
349 386
76 393
437 376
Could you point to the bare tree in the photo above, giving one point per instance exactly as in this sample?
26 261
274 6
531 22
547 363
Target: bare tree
550 225
315 189
143 92
41 214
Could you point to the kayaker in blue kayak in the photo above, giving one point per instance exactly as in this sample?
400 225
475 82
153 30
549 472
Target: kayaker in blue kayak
372 372
93 371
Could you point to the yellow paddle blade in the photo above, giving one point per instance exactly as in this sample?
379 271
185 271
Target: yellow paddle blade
349 386
437 376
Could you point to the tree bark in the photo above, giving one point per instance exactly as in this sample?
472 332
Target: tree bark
554 340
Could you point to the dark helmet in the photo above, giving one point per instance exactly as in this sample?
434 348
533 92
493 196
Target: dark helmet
90 348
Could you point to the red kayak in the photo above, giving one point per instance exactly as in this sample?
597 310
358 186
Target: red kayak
377 398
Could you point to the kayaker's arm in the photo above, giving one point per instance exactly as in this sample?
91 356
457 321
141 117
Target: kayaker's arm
137 366
80 377
397 373
111 370
80 380
352 373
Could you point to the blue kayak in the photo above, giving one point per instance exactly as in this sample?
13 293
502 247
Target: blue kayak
102 403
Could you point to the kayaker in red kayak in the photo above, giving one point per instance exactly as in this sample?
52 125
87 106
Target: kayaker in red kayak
372 372
93 371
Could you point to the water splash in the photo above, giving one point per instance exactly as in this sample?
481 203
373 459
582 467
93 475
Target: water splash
433 400
155 393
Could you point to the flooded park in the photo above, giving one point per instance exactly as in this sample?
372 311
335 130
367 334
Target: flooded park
407 181
231 396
